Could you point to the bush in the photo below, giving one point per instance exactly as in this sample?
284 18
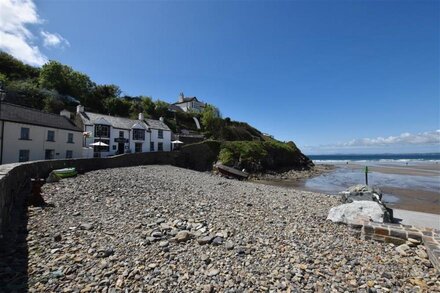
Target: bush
258 156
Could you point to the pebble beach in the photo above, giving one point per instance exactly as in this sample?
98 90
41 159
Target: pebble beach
167 229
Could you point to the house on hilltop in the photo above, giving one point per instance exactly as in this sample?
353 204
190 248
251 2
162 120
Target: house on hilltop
189 104
123 135
28 134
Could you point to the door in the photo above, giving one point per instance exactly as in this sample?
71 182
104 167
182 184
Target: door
120 148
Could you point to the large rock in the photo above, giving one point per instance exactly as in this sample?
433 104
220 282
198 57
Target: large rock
361 192
358 211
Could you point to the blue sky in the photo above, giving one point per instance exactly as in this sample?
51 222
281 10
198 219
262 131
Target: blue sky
333 76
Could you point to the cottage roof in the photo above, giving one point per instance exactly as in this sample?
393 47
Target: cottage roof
90 118
21 114
157 124
186 99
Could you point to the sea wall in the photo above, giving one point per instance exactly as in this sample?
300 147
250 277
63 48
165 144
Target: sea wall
15 183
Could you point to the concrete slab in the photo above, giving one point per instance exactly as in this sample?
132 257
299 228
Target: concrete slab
417 219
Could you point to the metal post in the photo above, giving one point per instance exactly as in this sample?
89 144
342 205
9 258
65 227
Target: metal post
366 175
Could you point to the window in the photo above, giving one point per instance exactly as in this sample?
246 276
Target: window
152 146
121 134
70 138
49 154
69 154
50 135
102 130
138 147
160 133
160 147
138 134
23 155
24 133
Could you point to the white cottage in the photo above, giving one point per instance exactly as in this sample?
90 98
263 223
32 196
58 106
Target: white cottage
123 135
28 134
189 104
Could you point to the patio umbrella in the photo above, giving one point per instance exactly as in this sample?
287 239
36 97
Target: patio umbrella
99 143
176 141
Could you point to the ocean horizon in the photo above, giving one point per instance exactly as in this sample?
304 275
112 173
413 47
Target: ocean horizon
384 157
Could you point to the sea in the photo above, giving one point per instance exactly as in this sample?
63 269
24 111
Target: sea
391 158
344 175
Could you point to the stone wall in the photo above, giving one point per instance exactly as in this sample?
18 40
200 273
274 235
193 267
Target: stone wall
399 234
15 183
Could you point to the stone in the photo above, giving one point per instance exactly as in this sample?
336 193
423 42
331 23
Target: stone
156 234
86 226
357 212
205 258
422 254
183 236
212 272
105 253
229 245
361 192
57 238
163 243
207 289
217 241
403 249
205 240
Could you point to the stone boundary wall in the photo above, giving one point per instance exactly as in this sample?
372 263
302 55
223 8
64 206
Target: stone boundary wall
15 183
399 234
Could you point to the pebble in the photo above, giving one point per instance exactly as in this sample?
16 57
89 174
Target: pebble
115 224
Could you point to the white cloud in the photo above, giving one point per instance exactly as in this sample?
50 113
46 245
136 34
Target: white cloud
406 142
54 40
16 16
425 138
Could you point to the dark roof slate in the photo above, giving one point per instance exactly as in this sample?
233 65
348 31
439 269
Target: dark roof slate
157 124
21 114
187 99
89 118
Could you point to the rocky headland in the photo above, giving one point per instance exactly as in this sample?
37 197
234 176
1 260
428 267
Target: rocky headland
167 229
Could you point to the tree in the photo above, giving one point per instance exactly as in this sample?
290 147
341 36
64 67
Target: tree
96 100
65 80
211 122
15 69
118 107
160 109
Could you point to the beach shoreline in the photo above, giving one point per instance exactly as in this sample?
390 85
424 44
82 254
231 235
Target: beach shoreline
415 198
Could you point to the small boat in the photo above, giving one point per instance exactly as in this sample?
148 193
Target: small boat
65 173
231 172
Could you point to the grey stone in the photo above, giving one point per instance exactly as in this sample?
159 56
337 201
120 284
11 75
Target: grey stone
183 236
217 241
205 240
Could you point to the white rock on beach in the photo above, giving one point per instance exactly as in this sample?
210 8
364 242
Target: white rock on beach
355 212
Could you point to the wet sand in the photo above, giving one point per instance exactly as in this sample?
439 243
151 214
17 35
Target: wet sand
420 169
412 187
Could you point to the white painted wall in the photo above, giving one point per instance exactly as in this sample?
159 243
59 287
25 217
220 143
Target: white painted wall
113 146
38 142
166 140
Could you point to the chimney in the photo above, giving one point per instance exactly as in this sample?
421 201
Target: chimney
79 109
181 97
161 119
141 116
65 113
